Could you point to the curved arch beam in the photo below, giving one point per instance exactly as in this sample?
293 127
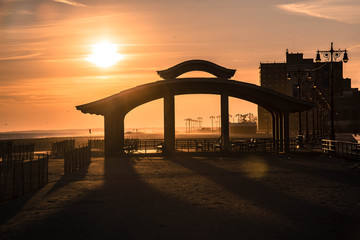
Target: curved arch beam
129 99
196 65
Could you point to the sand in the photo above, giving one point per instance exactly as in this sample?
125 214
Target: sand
249 196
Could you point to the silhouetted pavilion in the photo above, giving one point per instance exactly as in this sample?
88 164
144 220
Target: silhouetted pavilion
114 108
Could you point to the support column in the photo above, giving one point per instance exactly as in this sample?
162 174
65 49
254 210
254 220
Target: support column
225 122
273 122
281 132
169 122
317 122
277 131
114 134
286 132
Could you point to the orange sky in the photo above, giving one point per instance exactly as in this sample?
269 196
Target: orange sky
44 46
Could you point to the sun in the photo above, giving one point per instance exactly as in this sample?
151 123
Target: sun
104 54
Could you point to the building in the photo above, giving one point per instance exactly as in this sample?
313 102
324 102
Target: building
242 128
309 80
347 109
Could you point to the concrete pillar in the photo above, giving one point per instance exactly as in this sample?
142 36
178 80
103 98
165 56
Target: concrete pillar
225 122
286 132
114 134
169 122
281 132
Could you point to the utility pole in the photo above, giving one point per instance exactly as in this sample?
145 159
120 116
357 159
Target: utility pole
212 123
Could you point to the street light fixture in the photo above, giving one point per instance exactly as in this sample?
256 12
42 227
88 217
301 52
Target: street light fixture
332 55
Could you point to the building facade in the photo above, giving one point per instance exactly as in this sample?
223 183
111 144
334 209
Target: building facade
347 109
308 80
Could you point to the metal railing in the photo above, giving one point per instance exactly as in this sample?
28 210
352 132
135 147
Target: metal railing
145 146
341 149
204 145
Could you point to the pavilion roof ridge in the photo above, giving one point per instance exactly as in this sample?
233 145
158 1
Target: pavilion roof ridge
196 65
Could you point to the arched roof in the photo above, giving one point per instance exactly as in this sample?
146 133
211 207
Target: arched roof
196 65
129 99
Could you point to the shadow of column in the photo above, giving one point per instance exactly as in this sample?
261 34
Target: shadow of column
127 207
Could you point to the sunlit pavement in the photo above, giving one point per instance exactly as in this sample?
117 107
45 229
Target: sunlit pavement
250 196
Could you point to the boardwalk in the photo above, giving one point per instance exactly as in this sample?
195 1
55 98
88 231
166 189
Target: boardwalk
248 197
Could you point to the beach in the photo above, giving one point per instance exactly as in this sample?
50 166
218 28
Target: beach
244 196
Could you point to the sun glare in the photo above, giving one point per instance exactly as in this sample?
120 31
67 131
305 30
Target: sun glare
104 54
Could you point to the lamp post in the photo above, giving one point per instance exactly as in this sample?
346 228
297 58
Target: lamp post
219 117
332 55
212 123
299 74
238 116
307 112
186 124
313 114
199 121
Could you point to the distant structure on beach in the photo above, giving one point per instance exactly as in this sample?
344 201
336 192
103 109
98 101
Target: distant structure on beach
246 124
193 125
240 124
243 128
293 78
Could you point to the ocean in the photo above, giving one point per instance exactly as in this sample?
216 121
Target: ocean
95 133
99 132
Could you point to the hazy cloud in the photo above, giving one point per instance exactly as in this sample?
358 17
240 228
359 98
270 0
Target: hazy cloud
70 2
26 56
5 12
346 11
22 96
355 46
23 12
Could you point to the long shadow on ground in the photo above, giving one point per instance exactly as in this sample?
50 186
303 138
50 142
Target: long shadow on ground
66 179
128 208
313 221
300 166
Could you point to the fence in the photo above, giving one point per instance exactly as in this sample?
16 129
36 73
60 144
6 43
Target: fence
6 147
59 148
203 145
19 176
252 145
96 143
133 145
341 149
76 159
16 152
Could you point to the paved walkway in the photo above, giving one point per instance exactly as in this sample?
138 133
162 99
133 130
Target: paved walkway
247 197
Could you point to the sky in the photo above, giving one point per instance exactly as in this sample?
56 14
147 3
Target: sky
45 44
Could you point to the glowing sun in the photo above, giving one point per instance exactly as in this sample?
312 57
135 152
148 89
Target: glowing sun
104 54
